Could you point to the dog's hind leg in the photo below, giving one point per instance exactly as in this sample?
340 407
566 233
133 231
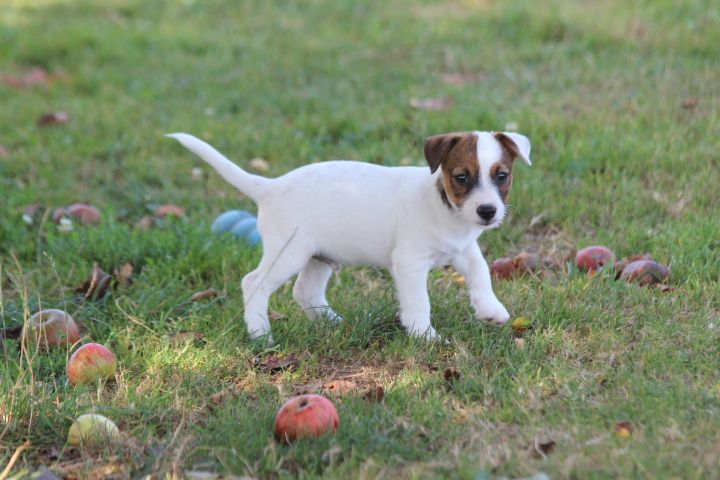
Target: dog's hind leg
276 268
309 290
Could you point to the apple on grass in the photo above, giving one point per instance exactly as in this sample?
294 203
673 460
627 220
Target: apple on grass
306 416
93 430
51 327
91 362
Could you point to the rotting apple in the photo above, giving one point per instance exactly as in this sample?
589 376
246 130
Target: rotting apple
306 416
93 430
645 272
51 327
503 268
91 362
591 259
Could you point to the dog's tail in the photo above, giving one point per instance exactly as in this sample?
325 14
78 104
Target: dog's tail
251 185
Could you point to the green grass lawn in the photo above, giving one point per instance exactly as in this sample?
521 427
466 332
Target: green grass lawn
622 103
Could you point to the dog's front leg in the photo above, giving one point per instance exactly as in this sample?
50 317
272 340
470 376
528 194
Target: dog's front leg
472 265
411 283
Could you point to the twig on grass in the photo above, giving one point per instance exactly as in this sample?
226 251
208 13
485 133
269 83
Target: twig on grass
14 459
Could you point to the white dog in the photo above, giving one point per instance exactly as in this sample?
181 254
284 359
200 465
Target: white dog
408 219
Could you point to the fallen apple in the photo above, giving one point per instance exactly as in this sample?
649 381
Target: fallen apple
503 268
86 214
91 362
93 430
526 262
51 327
645 272
306 416
590 259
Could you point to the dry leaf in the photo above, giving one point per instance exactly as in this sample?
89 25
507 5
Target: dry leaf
96 287
168 210
665 288
275 316
53 118
4 152
543 449
519 342
375 394
459 79
144 223
184 337
690 103
339 388
274 364
11 332
123 275
259 165
451 376
442 103
27 79
209 293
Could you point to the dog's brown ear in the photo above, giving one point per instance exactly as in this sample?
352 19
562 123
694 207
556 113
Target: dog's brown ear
515 144
437 148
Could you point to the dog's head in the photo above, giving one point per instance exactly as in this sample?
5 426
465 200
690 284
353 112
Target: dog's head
476 172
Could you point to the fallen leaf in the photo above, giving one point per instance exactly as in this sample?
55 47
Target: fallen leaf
259 165
11 332
459 79
374 394
4 152
543 448
442 103
623 430
209 293
168 210
29 78
96 287
275 316
144 223
339 388
184 337
665 288
519 342
53 118
273 363
690 103
123 275
451 376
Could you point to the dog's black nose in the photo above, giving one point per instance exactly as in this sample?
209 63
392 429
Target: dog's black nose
486 212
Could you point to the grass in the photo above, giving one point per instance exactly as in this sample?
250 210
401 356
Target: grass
597 86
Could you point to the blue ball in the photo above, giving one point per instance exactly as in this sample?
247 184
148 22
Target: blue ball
242 228
226 221
253 237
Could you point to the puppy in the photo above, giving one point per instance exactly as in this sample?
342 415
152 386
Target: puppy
408 219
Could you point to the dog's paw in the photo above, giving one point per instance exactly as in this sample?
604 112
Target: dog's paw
428 333
490 310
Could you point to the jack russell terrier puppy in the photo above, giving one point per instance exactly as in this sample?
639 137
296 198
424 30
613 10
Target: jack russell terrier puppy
408 219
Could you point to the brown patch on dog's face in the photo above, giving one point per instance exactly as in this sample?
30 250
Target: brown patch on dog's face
456 153
501 171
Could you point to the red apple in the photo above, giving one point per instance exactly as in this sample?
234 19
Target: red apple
645 272
86 214
91 362
593 258
51 328
526 262
306 416
503 268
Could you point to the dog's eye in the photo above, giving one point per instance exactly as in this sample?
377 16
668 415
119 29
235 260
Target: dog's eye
461 179
501 177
